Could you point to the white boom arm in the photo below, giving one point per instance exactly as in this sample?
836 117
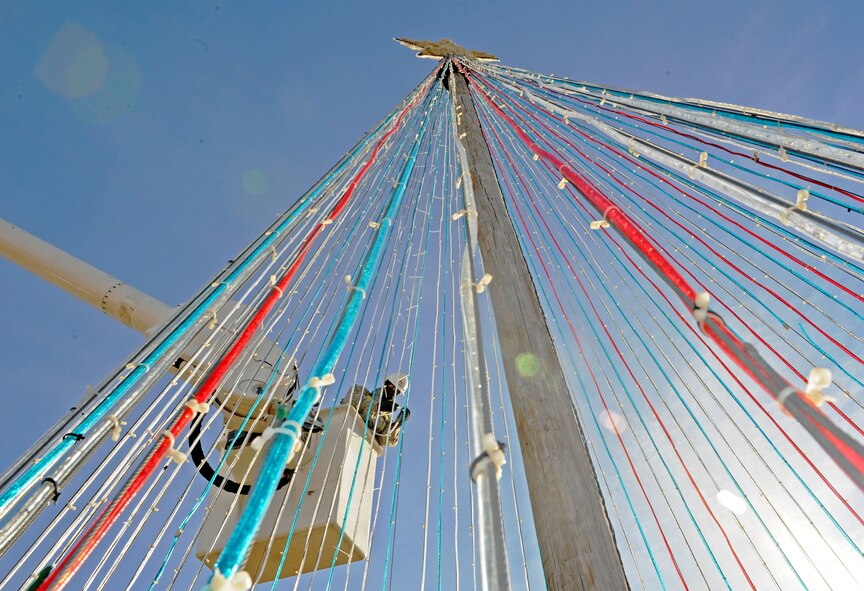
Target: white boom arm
116 298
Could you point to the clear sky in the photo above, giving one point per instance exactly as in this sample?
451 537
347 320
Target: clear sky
145 178
163 158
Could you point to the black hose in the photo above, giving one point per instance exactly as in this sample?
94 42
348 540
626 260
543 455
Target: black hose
199 458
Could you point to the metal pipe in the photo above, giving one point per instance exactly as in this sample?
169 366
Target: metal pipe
100 290
764 135
494 573
846 240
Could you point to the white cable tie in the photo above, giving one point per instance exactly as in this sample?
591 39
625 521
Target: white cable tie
241 581
463 212
288 428
318 383
800 205
700 311
214 320
275 254
480 286
326 222
783 156
462 135
631 147
703 160
801 199
196 406
459 182
374 225
275 287
663 120
115 430
562 183
604 222
146 366
352 287
493 451
818 380
172 453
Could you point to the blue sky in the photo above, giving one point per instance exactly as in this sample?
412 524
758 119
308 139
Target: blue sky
147 181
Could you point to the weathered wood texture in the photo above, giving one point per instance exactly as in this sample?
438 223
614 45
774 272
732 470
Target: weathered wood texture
576 541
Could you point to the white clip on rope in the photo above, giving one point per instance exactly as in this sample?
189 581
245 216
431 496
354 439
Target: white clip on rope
198 407
703 160
463 212
174 454
783 156
146 366
326 222
700 311
275 287
352 287
287 428
326 380
801 199
602 223
818 380
241 581
115 430
800 205
214 320
480 286
493 451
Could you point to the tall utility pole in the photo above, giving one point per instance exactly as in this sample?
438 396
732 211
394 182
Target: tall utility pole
576 541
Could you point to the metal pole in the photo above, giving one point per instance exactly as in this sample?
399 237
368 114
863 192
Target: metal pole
486 467
576 541
773 136
116 298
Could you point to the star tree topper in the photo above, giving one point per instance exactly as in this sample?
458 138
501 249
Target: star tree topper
442 48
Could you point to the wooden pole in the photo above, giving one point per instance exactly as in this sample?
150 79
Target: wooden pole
577 545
